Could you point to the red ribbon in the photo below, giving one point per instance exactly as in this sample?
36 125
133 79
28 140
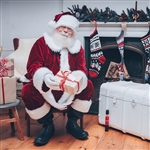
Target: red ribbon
3 68
64 77
3 95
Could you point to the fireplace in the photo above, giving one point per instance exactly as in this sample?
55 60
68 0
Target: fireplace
134 56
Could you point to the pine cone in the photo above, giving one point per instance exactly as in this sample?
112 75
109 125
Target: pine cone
123 17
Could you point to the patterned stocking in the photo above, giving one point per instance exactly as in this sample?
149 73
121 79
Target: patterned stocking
120 42
97 57
146 43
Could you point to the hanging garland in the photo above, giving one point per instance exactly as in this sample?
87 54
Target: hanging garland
87 15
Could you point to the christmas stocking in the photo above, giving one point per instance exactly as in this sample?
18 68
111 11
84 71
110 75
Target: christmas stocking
97 57
120 42
146 43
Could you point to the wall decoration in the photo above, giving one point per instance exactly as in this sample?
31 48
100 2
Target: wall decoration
85 14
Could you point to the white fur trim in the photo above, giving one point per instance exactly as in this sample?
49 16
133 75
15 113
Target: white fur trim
52 24
64 64
51 44
76 47
49 41
66 98
83 83
39 112
81 105
38 78
66 20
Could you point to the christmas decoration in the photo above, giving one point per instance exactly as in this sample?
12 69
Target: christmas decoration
146 43
68 82
120 42
97 57
85 14
135 15
6 67
113 71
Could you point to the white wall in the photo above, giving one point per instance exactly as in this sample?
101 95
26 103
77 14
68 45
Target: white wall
25 19
29 18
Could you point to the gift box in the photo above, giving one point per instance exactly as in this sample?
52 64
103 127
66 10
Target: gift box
113 71
68 82
7 89
6 67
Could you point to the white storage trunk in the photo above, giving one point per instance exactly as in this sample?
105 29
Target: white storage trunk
129 107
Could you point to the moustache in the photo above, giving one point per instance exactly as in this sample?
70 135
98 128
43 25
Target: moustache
64 34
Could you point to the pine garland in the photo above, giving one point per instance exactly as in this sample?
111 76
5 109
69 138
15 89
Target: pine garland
85 14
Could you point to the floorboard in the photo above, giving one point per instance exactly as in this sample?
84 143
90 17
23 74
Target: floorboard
98 139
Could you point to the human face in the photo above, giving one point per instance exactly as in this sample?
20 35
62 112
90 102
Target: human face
63 39
65 31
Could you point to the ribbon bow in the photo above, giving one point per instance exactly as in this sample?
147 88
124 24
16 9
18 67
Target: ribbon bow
65 76
5 66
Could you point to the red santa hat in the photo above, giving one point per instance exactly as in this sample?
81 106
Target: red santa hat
65 19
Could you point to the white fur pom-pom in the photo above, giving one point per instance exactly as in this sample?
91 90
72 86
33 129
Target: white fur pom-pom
52 24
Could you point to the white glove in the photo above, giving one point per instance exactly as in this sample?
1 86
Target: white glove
50 82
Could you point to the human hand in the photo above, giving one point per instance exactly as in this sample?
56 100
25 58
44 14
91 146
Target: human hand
50 82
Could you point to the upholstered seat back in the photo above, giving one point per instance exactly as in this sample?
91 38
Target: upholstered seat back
20 56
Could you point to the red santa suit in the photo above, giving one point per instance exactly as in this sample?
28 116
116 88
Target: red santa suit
46 57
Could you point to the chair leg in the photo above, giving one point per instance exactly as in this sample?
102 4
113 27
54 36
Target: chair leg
12 123
15 112
28 125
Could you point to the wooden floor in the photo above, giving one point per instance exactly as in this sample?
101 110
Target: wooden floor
98 138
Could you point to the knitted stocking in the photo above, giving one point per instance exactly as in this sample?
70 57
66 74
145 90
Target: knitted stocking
146 43
97 57
120 42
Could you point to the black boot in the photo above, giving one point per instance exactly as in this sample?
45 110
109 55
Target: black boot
47 131
72 127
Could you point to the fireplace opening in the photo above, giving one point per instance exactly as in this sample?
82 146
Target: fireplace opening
134 58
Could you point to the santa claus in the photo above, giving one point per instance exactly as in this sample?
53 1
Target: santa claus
58 50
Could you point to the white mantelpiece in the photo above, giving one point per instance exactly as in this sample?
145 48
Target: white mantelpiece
112 29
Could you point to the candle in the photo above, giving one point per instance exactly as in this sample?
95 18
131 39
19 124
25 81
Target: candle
135 11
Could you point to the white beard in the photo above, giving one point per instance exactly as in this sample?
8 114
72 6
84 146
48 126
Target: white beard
62 41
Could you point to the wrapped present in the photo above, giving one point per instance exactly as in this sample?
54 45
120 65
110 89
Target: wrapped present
68 82
114 70
6 67
7 89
